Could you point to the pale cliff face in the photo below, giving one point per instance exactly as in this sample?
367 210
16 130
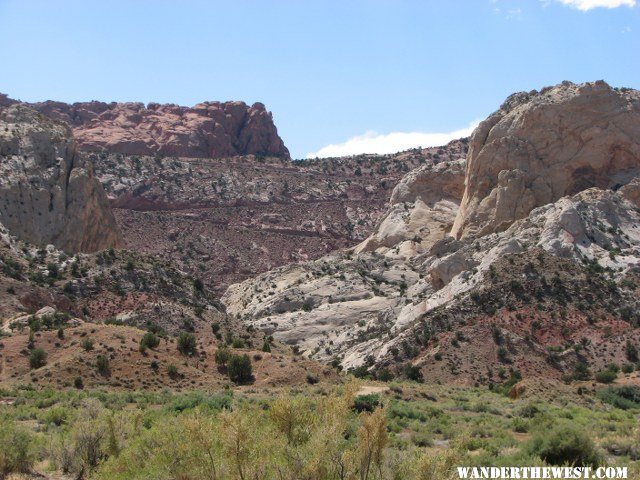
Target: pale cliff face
48 195
539 147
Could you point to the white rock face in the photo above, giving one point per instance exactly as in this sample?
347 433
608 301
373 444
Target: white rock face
423 207
47 193
542 146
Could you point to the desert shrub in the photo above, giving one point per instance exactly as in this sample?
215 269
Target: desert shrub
631 352
172 371
266 347
290 437
413 372
237 343
16 454
149 340
581 371
56 416
312 379
292 416
366 403
186 343
384 375
198 285
87 344
624 397
503 355
37 358
529 410
78 383
361 371
239 369
222 356
102 365
564 444
606 376
497 335
520 425
198 399
627 368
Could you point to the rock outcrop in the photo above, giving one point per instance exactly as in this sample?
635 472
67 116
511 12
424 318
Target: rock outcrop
207 130
550 181
541 146
423 207
48 195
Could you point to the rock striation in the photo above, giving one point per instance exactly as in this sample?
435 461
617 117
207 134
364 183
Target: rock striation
48 194
541 146
206 130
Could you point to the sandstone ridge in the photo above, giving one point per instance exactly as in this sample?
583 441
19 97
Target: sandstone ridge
206 130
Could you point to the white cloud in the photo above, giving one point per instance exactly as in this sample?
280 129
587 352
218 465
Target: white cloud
585 5
372 142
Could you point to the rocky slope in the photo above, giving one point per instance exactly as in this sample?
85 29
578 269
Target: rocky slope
48 194
226 220
83 307
411 293
208 129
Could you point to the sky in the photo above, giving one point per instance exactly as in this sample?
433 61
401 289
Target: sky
341 76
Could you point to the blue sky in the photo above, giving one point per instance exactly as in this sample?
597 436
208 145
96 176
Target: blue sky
339 76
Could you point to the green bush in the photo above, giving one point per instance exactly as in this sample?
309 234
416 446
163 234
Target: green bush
102 365
87 344
413 372
149 340
15 449
187 344
564 444
172 371
581 371
222 356
366 403
631 352
198 399
240 370
56 416
37 358
625 397
606 376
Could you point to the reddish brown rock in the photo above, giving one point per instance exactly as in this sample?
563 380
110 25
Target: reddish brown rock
208 130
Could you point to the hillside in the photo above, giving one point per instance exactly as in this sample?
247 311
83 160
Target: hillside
413 294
